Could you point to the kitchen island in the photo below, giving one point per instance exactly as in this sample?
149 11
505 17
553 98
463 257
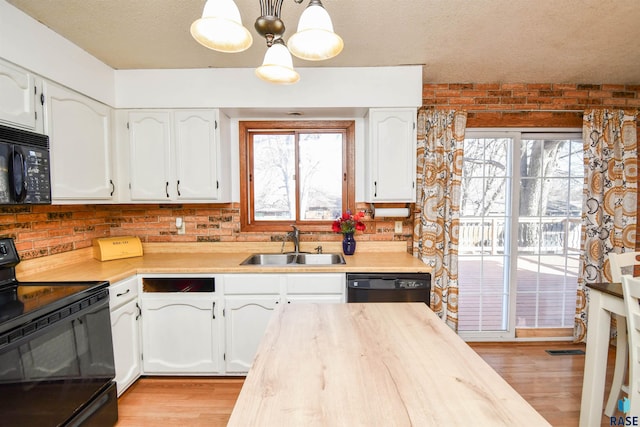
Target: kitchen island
372 364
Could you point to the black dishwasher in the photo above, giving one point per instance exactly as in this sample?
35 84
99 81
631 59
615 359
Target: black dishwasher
389 287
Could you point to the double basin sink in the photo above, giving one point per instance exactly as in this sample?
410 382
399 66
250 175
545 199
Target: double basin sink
294 259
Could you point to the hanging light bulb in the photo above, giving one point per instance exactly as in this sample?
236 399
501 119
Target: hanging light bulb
277 66
220 27
315 39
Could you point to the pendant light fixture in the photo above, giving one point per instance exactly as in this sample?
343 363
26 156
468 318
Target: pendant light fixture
277 66
221 29
315 39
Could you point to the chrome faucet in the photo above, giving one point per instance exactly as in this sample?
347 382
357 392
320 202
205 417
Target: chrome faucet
295 237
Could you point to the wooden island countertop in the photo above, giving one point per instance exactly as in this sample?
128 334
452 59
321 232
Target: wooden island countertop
372 365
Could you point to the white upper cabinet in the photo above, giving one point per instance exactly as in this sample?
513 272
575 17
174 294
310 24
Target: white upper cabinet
149 156
197 155
20 103
79 130
174 156
390 153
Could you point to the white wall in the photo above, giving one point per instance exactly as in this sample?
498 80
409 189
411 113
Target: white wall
225 88
31 45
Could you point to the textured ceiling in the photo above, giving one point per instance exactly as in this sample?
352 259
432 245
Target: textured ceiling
572 41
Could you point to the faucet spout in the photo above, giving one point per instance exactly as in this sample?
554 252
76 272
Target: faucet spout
295 237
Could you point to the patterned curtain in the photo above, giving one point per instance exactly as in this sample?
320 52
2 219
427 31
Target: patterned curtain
437 213
609 212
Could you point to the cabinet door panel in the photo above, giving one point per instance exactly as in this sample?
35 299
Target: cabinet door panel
180 335
246 320
150 156
79 130
392 157
17 98
126 345
196 155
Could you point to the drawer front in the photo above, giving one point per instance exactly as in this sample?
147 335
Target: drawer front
326 283
122 292
252 284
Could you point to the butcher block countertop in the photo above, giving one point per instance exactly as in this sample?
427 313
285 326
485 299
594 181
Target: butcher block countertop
372 365
175 258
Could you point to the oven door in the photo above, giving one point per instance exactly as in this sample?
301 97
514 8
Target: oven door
53 375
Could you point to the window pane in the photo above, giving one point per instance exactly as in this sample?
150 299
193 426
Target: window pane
484 294
548 232
273 177
320 176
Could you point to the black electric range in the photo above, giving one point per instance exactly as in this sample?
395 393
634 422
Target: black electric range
56 352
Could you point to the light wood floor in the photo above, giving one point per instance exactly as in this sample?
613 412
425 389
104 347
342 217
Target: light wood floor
551 384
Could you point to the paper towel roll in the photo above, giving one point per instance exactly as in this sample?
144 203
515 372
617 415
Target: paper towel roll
391 212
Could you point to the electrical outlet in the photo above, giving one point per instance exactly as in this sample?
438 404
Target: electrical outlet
180 225
398 229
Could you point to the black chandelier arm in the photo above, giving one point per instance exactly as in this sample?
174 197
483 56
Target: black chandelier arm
272 7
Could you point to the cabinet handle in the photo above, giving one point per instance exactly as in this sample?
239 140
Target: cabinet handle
139 311
123 293
214 310
113 187
375 188
166 188
178 187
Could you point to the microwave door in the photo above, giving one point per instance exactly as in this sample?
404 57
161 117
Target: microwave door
17 175
5 157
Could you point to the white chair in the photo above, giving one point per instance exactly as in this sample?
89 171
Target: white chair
631 292
620 264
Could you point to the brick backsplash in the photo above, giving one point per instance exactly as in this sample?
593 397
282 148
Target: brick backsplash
47 230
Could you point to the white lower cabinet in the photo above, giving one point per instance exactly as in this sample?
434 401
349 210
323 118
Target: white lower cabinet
126 344
161 326
316 288
181 333
125 330
246 319
250 300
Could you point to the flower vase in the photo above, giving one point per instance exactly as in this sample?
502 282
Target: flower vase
348 244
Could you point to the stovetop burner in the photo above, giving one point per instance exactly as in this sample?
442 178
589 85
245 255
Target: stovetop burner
22 301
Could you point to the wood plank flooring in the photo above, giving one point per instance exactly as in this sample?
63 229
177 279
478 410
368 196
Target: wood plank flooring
551 384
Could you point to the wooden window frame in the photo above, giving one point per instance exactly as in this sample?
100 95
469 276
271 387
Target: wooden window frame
299 126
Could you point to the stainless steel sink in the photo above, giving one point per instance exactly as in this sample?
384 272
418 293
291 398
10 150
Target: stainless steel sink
294 259
320 259
270 259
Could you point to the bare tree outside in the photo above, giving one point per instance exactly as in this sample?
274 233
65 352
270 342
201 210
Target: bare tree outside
543 176
274 175
315 185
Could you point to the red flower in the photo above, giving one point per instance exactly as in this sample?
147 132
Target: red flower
348 223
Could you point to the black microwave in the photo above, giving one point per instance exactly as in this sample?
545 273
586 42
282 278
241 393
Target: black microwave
25 171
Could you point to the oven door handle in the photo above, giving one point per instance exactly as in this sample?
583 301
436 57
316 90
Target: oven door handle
18 175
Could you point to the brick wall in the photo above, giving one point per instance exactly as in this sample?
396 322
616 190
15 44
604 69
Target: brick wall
528 104
46 230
